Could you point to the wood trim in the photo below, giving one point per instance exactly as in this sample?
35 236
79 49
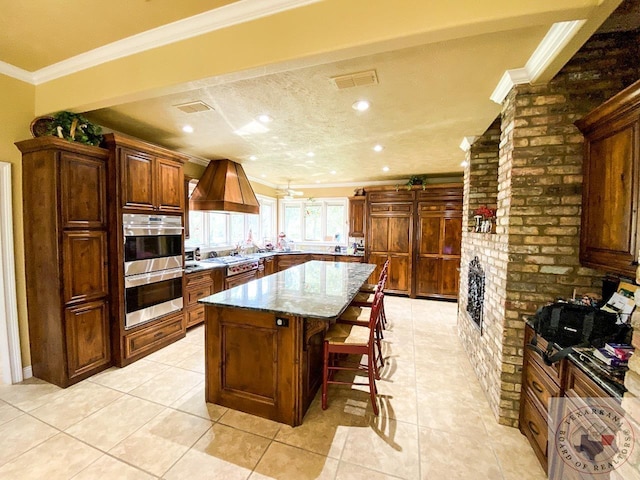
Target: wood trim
617 106
120 140
12 371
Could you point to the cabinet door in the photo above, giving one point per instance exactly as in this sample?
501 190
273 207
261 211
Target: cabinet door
83 191
378 260
87 336
356 217
85 265
610 197
137 180
378 234
399 277
169 186
428 275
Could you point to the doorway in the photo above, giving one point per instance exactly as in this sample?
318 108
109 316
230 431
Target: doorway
10 359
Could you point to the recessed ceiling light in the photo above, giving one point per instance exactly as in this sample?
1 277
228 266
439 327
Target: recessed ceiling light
264 118
253 157
385 169
361 105
317 181
310 161
251 128
378 148
310 154
187 129
263 176
332 172
464 164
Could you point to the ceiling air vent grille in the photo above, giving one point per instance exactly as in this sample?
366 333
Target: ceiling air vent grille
193 107
359 79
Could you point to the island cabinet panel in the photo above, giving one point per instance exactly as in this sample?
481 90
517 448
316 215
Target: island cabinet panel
611 184
252 363
65 233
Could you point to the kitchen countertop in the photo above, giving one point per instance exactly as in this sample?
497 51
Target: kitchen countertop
313 290
199 266
606 381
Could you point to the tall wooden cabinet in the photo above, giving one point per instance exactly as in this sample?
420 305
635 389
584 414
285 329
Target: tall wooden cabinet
357 215
143 178
609 235
420 232
65 226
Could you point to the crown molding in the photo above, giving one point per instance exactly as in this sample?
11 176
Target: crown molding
466 143
15 72
232 14
549 48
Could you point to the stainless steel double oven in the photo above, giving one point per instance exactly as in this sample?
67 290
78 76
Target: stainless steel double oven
153 266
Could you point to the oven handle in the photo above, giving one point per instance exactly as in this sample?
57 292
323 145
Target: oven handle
131 231
153 277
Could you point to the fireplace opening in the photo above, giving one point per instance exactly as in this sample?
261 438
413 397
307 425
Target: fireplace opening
475 296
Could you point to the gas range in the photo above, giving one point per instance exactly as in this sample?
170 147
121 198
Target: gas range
236 264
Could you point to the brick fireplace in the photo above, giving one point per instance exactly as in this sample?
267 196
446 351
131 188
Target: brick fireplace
528 165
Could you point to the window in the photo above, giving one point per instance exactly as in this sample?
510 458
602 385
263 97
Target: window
218 229
310 221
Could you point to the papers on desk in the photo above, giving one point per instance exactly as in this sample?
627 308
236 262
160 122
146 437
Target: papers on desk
622 301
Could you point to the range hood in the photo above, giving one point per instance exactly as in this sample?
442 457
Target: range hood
224 187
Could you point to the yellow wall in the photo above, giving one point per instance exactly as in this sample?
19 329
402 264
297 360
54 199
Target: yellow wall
17 99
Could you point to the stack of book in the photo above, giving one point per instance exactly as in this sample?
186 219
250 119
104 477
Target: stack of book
614 355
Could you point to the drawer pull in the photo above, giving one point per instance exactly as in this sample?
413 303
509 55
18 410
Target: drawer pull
158 334
536 386
533 428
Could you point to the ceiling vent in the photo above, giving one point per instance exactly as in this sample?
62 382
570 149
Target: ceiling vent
359 79
193 107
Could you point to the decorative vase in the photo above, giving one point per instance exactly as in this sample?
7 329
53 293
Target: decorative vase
478 226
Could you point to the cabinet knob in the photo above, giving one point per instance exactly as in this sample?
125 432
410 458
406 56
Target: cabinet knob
634 263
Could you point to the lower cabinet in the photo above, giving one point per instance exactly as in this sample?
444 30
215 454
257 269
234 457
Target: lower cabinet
198 285
154 336
285 261
87 336
240 279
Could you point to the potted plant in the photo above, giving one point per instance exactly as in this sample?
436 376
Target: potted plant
75 128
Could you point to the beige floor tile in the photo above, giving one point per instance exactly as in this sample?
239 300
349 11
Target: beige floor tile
387 446
76 403
196 465
284 462
222 452
175 353
250 423
519 464
193 402
115 422
60 457
456 457
195 335
194 362
168 386
109 468
21 434
127 378
349 471
30 394
451 413
161 442
8 413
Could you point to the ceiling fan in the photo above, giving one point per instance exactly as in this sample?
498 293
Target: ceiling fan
288 193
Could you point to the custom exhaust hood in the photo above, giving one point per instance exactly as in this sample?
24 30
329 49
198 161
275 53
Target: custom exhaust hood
224 187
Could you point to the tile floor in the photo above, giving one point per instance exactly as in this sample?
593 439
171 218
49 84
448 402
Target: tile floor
149 420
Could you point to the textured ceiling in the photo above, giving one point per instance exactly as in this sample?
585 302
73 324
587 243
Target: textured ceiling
432 92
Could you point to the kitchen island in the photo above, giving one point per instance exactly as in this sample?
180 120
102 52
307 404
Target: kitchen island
263 339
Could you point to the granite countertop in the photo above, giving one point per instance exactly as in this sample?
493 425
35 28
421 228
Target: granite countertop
606 381
314 290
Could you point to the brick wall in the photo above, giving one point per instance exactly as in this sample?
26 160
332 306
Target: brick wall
534 255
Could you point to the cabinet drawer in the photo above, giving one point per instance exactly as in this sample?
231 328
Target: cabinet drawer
148 339
391 196
580 385
391 208
197 277
195 315
197 292
553 371
540 385
535 428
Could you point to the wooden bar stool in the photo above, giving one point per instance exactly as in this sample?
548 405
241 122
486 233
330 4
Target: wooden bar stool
367 290
350 339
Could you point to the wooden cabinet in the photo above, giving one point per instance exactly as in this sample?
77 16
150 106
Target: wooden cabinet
609 234
198 285
287 261
65 226
420 232
438 243
357 215
240 279
143 178
390 236
269 266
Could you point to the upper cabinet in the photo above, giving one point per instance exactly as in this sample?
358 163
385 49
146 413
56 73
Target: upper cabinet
151 177
356 216
609 230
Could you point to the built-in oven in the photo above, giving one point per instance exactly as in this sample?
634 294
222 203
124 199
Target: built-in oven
151 243
153 267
